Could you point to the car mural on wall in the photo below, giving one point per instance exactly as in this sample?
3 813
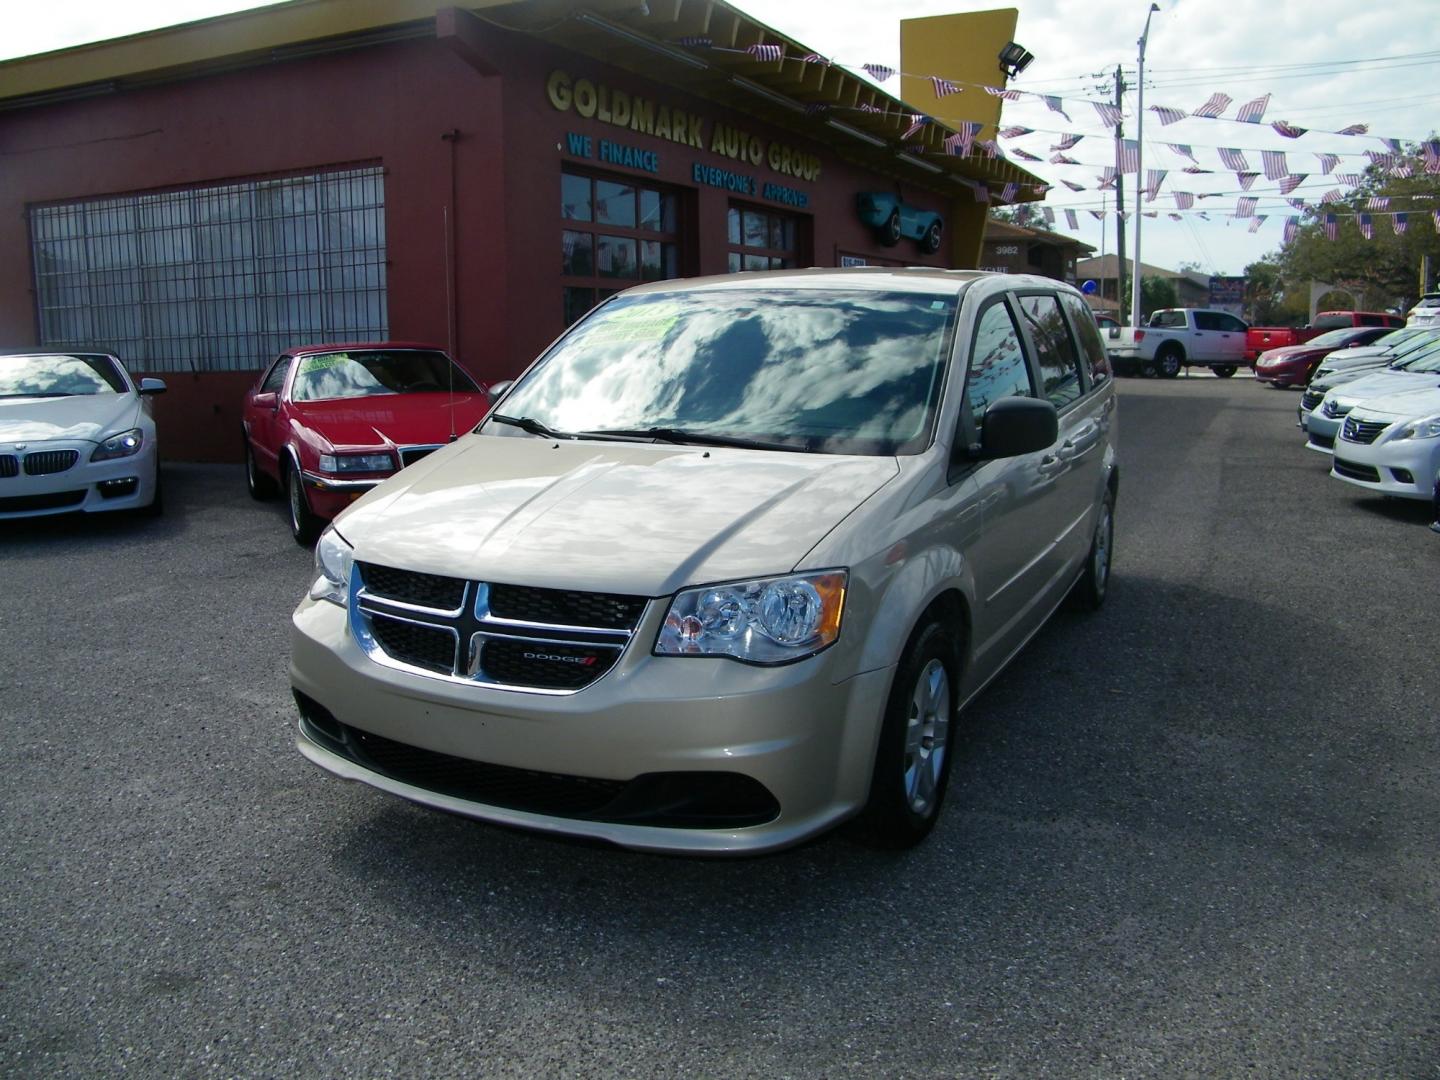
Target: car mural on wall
892 219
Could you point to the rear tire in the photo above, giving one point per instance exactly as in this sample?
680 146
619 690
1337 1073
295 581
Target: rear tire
890 231
261 487
304 525
912 761
1224 371
930 242
1094 583
1168 361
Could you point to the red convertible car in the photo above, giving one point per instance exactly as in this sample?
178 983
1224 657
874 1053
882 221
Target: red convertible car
326 423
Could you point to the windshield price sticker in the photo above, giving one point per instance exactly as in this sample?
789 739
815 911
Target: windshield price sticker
323 363
650 322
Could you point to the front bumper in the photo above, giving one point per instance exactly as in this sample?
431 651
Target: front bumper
1404 468
1321 431
1288 374
86 487
329 495
805 732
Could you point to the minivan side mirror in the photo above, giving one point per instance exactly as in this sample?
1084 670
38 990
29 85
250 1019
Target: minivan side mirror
152 386
497 390
1018 425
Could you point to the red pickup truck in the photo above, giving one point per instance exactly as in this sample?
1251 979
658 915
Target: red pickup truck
1259 339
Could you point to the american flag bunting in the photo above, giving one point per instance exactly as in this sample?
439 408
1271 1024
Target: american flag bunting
1153 179
1184 200
1015 131
1054 104
1252 111
1183 150
1175 217
1071 220
1233 159
1393 145
1048 215
1009 191
1063 159
1108 178
1399 222
1436 218
1109 114
1129 156
1245 206
1355 129
1349 179
1297 204
1068 141
1378 202
1383 160
989 147
1217 104
917 121
1168 115
1333 195
878 72
815 58
1290 183
981 192
1292 226
1273 161
694 41
766 53
1367 226
1290 131
1331 227
1402 170
1246 179
1023 155
1097 215
1328 163
1073 186
1257 222
1005 95
943 87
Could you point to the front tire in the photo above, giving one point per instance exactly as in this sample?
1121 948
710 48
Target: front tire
890 231
930 243
912 762
304 525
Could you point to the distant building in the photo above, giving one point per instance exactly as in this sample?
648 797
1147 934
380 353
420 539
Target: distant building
1192 289
1022 249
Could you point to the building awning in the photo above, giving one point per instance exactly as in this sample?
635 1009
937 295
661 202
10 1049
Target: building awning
858 121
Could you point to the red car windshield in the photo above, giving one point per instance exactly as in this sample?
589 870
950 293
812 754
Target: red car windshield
326 376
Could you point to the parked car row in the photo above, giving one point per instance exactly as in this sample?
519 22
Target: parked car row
1375 412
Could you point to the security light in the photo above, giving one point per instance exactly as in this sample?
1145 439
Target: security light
1014 59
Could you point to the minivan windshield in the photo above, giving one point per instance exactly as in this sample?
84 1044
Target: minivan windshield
824 370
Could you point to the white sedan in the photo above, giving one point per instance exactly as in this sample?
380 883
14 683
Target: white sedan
1391 445
76 433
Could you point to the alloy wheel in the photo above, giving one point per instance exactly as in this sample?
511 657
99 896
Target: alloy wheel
927 735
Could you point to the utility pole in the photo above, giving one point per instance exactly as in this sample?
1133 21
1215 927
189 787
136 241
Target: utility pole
1120 291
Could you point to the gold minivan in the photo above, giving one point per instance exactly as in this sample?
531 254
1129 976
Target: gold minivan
723 566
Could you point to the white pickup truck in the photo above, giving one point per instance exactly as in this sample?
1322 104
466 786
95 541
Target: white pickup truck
1176 338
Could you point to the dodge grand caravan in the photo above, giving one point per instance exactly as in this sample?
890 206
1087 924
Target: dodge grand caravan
722 567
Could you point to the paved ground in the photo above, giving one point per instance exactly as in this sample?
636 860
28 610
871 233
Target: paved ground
1195 835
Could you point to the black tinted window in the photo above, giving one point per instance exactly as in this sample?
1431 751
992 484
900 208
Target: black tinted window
1059 365
1232 324
1091 344
997 362
275 381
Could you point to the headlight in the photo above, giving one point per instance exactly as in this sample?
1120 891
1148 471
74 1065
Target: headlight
333 560
769 621
347 463
1428 428
118 446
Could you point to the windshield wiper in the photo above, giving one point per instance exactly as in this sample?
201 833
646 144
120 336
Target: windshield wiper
681 435
533 426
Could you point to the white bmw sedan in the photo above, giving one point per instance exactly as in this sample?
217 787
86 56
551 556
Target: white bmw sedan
76 433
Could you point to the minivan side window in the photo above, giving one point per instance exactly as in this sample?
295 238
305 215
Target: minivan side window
1091 343
1059 364
997 362
275 381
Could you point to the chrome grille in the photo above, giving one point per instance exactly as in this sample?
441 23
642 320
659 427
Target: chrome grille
45 462
409 455
9 465
1311 399
1362 431
553 641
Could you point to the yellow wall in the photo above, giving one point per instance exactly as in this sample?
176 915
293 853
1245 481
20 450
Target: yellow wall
963 48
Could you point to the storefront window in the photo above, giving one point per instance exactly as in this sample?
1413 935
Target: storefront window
632 236
761 239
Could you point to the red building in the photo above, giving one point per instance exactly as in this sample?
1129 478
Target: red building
199 198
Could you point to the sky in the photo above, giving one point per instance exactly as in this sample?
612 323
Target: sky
1326 64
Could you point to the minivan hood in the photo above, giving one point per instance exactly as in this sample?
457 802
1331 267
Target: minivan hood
90 417
636 518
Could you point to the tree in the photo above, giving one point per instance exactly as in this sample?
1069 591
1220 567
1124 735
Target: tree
1156 293
1383 271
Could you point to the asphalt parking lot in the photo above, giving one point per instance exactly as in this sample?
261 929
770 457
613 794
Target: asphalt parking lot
1193 835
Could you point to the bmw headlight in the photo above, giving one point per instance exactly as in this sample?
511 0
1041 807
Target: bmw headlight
1428 428
118 446
333 560
348 463
767 621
